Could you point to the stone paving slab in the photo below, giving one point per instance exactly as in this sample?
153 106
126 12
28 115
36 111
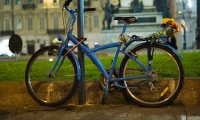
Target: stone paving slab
101 112
168 113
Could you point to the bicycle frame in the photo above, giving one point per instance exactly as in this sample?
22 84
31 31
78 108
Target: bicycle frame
91 54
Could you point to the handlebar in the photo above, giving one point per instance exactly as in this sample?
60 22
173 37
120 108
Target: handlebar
66 3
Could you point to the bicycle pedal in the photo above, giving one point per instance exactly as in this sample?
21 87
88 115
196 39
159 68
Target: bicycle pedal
51 75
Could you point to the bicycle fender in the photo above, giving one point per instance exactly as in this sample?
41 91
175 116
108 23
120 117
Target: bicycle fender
174 50
77 65
166 45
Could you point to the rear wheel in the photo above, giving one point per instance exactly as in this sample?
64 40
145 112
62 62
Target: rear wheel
55 89
165 79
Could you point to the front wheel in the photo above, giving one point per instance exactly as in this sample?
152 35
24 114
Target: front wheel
165 78
55 89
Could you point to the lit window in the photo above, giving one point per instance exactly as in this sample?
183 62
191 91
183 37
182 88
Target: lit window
6 2
17 2
41 1
7 24
55 22
42 23
18 24
30 24
55 1
29 1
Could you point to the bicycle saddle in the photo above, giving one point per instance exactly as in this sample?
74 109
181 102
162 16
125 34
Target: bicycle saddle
127 20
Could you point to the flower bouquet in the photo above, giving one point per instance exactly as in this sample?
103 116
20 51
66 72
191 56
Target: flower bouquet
170 26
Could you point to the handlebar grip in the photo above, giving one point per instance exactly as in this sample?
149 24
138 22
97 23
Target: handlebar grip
89 9
67 2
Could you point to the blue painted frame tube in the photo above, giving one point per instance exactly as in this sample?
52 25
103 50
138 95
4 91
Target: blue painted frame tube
112 68
136 60
124 29
57 60
105 47
63 59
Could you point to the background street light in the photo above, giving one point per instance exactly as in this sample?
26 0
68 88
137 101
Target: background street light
183 2
198 25
184 35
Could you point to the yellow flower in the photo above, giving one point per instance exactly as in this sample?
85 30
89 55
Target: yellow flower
166 20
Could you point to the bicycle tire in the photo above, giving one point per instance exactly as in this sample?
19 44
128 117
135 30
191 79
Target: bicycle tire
168 75
50 91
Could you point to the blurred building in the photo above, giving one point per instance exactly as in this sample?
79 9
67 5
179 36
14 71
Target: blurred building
38 22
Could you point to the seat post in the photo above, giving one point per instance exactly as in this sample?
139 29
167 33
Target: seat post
124 28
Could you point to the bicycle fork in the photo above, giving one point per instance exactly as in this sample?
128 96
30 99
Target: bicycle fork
49 74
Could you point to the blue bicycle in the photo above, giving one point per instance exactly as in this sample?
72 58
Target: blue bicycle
150 73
